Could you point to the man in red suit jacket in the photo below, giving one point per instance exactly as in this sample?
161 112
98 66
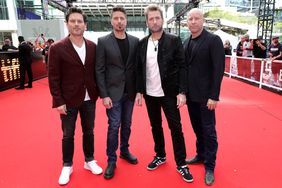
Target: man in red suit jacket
73 88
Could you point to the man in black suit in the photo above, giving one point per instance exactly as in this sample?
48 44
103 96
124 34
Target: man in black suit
161 79
25 60
115 72
204 56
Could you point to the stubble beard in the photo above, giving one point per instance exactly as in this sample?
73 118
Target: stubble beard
156 30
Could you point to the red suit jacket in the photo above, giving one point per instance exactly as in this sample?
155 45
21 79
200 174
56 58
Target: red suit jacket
68 77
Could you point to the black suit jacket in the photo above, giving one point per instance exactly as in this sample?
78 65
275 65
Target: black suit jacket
25 53
171 65
205 65
111 72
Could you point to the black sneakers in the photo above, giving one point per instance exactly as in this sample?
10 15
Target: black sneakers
184 171
156 162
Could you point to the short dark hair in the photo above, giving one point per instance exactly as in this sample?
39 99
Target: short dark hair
75 10
118 9
21 38
50 40
153 8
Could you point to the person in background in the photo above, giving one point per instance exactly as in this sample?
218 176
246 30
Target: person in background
275 49
205 61
46 49
40 42
115 73
239 48
8 45
161 77
259 50
25 60
227 47
275 53
247 47
73 88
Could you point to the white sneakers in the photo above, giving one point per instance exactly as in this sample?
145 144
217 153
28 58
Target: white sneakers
65 175
67 171
93 167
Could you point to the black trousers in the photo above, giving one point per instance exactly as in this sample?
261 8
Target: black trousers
87 116
168 104
203 123
25 67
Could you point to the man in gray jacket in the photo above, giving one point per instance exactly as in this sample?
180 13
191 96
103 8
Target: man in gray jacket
115 72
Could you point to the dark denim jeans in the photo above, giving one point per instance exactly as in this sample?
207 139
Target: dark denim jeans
203 123
87 116
168 104
120 115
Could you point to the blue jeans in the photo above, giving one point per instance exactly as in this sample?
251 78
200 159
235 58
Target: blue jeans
119 115
87 116
203 123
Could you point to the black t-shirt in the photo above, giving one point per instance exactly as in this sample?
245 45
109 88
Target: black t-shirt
275 50
191 45
123 45
227 51
239 49
124 48
258 52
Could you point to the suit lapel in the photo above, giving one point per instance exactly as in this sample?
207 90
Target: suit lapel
116 47
129 49
72 51
87 49
144 55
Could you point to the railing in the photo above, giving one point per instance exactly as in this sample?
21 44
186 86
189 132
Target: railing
255 70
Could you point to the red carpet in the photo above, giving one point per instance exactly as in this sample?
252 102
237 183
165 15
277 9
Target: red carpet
249 125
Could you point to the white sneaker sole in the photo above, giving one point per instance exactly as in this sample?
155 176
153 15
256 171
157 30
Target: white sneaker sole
67 181
93 172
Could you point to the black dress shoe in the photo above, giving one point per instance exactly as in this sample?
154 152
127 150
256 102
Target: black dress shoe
28 86
110 171
129 158
209 177
195 160
19 88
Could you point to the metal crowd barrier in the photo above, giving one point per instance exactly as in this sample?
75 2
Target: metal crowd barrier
255 70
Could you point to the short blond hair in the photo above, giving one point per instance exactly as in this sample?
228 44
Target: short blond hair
151 8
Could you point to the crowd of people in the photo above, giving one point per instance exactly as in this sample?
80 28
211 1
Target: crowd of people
25 50
256 48
122 70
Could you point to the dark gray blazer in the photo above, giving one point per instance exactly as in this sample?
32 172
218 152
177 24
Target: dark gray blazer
205 66
111 73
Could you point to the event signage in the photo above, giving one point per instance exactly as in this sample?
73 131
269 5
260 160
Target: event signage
10 69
